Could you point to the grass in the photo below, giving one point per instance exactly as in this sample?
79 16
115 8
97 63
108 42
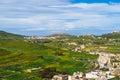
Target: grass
17 56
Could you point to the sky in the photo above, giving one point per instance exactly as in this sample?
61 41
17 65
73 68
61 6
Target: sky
45 17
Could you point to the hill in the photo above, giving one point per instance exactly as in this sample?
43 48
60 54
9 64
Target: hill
6 35
62 35
19 58
113 35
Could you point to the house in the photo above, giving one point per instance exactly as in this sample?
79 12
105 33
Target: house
116 64
116 71
60 77
72 43
77 76
104 61
102 78
82 46
92 75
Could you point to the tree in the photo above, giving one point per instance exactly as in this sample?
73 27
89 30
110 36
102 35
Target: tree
48 73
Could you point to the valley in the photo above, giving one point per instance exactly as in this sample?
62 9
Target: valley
41 58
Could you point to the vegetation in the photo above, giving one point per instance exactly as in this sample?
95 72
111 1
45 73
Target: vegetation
18 56
6 35
114 35
36 59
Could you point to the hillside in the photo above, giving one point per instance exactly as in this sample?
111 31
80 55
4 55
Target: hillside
6 35
113 35
62 35
17 57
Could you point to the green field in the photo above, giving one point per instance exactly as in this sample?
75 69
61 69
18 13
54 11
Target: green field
16 56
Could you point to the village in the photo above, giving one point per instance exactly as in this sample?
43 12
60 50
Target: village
108 69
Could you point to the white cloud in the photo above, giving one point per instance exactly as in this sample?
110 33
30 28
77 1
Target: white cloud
113 7
34 1
57 15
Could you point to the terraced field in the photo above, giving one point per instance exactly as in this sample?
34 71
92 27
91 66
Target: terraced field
17 57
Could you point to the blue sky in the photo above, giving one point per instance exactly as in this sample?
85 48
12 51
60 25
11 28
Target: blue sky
44 17
95 1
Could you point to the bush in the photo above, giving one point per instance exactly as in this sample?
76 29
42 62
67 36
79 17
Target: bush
48 73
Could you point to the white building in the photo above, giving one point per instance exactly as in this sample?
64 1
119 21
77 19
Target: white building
92 75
